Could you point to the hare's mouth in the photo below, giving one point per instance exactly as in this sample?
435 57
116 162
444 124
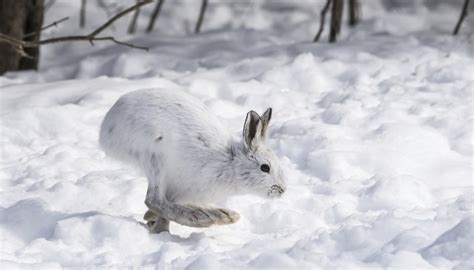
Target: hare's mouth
275 191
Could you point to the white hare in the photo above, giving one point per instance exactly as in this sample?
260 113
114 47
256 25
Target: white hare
188 156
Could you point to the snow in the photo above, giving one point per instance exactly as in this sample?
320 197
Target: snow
375 133
455 244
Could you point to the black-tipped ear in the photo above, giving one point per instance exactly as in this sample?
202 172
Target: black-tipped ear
252 130
266 117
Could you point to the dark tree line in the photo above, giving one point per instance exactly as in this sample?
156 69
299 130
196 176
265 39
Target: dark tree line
21 25
354 14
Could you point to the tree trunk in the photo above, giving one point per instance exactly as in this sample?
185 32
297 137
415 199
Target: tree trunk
354 12
197 29
133 23
154 15
322 20
33 24
18 18
336 19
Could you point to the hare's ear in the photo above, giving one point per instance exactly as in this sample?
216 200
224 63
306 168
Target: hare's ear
266 117
252 130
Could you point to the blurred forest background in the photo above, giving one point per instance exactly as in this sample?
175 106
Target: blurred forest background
22 22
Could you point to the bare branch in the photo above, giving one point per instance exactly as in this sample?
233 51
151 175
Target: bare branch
15 44
55 24
121 43
322 20
154 15
10 40
461 17
20 45
119 15
201 16
22 52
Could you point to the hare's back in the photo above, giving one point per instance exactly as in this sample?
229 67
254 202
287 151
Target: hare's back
145 119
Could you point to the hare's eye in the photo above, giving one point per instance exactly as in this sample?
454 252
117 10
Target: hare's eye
265 168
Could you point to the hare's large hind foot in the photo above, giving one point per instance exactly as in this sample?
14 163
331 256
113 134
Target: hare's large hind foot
155 223
190 215
194 216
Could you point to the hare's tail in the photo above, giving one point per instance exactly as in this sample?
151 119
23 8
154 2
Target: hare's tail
194 216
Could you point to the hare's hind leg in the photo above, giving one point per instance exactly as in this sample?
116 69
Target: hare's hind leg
187 215
155 223
193 216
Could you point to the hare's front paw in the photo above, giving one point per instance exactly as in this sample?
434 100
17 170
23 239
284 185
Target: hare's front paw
155 223
150 216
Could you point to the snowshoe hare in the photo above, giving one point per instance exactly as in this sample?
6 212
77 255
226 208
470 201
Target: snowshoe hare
188 156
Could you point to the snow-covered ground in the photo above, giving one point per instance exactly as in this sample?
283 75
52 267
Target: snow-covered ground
375 132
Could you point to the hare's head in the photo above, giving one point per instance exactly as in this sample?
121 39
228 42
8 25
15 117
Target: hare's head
259 168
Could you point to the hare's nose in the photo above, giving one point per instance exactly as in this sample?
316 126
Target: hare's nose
277 189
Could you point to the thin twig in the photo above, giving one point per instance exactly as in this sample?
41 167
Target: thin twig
55 24
201 16
21 44
118 15
322 20
461 17
154 15
121 43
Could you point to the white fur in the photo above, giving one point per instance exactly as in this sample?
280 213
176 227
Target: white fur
185 152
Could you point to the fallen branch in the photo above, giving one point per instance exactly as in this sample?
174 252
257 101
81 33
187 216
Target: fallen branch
91 37
323 19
